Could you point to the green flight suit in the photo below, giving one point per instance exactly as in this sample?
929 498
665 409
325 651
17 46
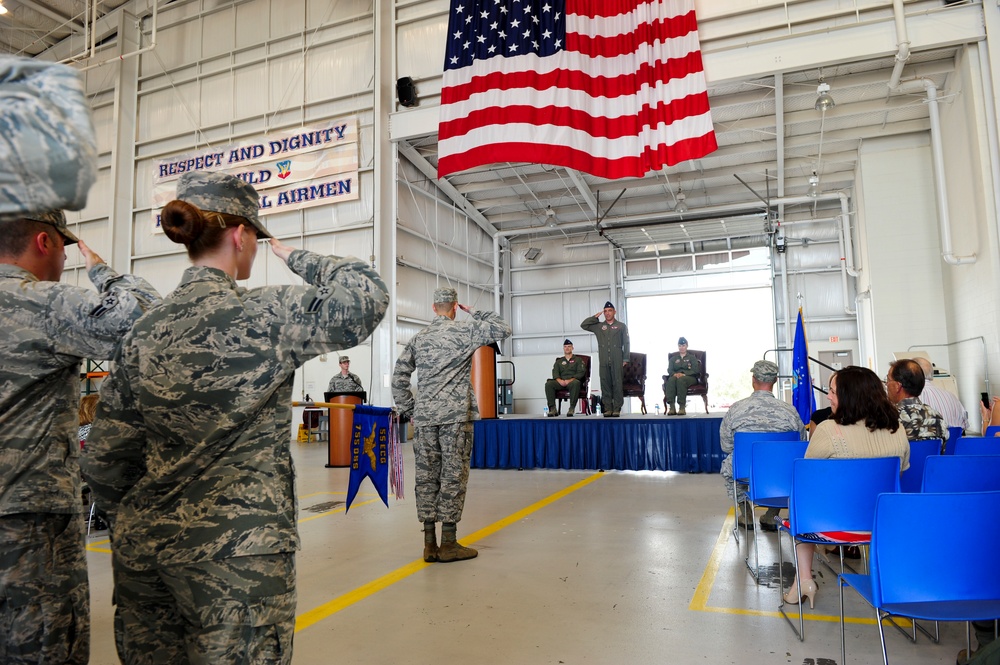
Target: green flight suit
613 348
565 369
676 387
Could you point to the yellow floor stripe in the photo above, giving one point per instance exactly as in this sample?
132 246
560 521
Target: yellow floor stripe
326 610
699 602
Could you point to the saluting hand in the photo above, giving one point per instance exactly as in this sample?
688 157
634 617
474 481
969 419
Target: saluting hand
465 308
89 255
281 250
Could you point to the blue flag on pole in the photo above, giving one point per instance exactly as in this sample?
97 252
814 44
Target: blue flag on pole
370 439
802 390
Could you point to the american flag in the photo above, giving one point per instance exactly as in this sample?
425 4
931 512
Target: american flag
614 88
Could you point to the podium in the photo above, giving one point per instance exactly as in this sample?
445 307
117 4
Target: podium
341 426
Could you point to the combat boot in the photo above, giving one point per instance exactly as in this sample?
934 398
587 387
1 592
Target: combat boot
681 411
450 549
570 411
430 543
672 411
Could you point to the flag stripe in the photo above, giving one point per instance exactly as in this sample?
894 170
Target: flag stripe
553 73
623 93
583 160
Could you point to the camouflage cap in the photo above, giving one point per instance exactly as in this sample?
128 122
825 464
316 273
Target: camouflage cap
765 371
48 150
445 295
220 192
343 359
57 219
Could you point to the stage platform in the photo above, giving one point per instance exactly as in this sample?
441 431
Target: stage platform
688 444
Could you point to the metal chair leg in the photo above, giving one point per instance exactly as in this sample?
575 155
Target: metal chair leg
801 632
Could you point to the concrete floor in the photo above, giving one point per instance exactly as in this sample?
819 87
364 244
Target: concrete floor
574 567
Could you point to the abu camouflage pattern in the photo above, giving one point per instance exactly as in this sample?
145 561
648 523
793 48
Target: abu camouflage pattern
47 141
760 412
200 404
441 354
211 191
341 383
444 407
49 327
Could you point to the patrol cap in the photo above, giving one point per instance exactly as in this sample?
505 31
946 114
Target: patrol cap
765 371
57 219
682 340
343 359
220 192
609 304
445 295
48 149
566 341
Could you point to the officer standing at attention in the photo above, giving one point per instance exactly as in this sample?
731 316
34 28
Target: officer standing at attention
567 372
613 348
345 381
683 372
442 414
47 163
189 453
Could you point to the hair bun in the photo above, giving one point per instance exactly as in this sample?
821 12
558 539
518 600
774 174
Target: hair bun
182 222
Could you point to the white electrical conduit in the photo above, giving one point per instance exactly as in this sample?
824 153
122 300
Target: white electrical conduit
131 54
937 152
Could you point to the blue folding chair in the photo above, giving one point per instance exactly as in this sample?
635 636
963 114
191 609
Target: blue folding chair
992 430
909 579
770 483
962 473
833 503
913 478
741 463
954 434
977 445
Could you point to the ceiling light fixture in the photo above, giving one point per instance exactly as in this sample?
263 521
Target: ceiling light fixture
532 254
3 10
813 189
823 99
681 207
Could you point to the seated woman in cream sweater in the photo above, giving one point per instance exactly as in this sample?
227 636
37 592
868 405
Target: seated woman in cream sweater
864 424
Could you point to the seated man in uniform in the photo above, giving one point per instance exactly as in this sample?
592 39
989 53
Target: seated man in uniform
567 372
683 373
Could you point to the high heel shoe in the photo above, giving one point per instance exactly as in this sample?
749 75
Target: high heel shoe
808 591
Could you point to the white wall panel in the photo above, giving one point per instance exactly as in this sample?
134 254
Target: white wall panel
217 99
252 26
163 272
339 69
168 112
252 91
324 11
287 81
98 200
287 17
218 33
177 45
420 49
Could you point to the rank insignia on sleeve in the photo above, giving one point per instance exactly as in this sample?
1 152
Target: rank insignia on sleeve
108 302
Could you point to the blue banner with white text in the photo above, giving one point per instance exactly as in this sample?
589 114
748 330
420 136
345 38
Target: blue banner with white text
370 437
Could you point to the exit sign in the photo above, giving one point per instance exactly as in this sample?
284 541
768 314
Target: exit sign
835 338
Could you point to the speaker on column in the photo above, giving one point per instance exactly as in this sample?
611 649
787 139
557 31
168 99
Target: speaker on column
406 92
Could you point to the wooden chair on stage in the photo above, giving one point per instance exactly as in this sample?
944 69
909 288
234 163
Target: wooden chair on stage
563 393
700 387
634 378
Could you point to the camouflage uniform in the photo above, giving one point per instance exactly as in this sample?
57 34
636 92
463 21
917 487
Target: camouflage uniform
48 154
921 421
613 348
565 369
444 407
761 412
676 388
341 383
48 328
190 457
